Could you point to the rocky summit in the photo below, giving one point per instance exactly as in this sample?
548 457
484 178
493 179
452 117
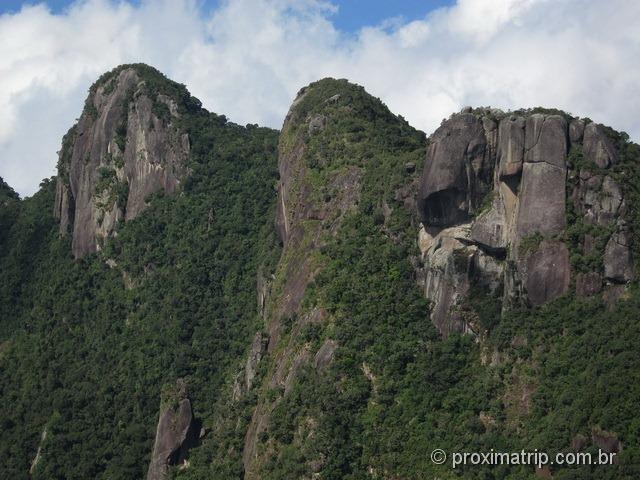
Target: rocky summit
125 146
194 299
496 197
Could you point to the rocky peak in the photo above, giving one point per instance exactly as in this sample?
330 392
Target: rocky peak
176 433
493 203
330 138
126 145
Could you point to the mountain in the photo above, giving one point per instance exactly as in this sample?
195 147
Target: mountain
190 298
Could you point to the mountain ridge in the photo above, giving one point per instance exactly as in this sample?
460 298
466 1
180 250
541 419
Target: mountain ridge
389 318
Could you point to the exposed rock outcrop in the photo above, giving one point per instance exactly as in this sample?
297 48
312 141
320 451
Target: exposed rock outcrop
546 272
124 147
618 264
258 347
598 147
456 175
493 203
176 433
38 457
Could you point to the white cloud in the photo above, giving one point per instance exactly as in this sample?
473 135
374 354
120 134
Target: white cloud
248 58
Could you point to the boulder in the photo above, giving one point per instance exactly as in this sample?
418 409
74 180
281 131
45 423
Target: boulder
489 229
599 199
317 123
606 209
445 276
576 131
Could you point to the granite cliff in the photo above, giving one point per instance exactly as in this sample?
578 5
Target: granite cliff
125 146
500 194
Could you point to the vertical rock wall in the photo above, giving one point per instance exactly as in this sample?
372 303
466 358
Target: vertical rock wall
493 204
122 150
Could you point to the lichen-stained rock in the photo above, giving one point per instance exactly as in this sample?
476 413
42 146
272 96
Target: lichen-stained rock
607 206
446 276
618 261
154 157
541 199
507 180
456 175
176 433
599 199
598 147
546 140
546 272
524 197
490 229
511 145
122 149
576 131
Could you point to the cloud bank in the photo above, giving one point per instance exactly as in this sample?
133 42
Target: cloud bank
247 59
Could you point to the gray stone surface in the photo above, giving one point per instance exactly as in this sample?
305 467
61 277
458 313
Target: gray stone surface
598 148
176 433
450 181
490 228
153 158
542 199
576 131
618 262
546 140
324 355
511 145
547 272
504 179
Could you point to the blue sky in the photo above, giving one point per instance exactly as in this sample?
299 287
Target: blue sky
351 16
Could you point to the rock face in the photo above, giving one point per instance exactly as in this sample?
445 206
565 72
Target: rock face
546 272
456 176
124 147
493 203
176 433
618 264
